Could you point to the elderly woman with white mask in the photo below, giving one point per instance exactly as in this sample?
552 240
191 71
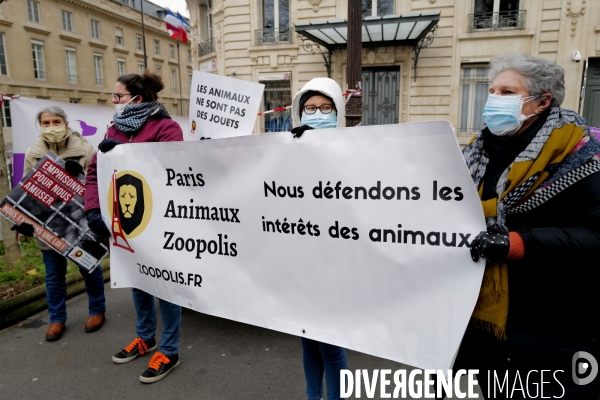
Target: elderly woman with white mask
536 168
56 136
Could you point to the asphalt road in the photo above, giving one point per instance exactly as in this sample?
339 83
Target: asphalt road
221 359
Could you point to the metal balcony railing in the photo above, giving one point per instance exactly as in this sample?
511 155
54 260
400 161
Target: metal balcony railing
206 47
499 20
273 36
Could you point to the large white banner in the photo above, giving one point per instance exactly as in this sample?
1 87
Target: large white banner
91 121
356 237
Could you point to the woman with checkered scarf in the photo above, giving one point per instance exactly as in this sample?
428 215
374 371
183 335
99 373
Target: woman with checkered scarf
536 168
140 118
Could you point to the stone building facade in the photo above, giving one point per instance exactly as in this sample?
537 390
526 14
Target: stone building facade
74 51
256 40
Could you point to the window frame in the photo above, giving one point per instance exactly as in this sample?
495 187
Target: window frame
98 73
173 81
95 26
158 70
121 63
156 47
119 36
3 58
67 21
33 11
141 68
139 45
70 73
466 120
172 51
6 118
39 73
374 7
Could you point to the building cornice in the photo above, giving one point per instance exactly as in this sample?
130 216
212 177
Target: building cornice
120 50
119 17
97 44
70 38
5 22
37 29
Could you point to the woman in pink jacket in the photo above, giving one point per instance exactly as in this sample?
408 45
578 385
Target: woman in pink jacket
140 118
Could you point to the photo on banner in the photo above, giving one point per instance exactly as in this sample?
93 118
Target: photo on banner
52 201
221 106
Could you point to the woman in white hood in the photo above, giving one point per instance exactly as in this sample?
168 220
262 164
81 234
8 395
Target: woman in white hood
319 105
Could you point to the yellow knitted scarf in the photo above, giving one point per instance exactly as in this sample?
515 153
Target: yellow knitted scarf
491 309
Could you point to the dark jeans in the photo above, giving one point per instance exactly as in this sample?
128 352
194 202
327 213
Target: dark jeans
146 321
322 358
56 287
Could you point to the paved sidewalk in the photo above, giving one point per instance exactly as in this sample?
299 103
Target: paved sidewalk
221 359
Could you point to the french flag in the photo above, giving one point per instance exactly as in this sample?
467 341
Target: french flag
176 26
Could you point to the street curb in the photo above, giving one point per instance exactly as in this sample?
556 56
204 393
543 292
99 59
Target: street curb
33 301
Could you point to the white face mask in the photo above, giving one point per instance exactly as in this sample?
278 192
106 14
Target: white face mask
121 107
54 133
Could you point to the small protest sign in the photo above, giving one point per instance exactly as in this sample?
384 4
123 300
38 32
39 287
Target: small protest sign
51 200
221 106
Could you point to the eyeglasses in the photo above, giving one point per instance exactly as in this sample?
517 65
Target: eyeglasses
325 109
117 96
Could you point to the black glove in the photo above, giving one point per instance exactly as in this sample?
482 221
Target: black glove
493 247
73 168
24 229
96 223
299 130
202 138
108 145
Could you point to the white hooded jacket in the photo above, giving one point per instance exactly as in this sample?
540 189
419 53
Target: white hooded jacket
328 87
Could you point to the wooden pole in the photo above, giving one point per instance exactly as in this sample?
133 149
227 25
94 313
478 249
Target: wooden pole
354 62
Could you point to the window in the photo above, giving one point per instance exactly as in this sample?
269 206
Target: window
156 47
373 8
157 70
3 67
191 76
119 36
74 101
98 69
189 56
209 26
173 82
95 29
277 94
138 42
6 121
171 51
39 69
121 66
496 14
71 66
474 86
67 21
276 22
141 68
101 103
33 11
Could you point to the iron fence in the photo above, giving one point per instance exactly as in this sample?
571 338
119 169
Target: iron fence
499 20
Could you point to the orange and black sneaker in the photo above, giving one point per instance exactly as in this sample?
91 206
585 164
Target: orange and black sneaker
160 365
137 348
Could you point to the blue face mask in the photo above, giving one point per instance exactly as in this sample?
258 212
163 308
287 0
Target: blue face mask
318 120
503 114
